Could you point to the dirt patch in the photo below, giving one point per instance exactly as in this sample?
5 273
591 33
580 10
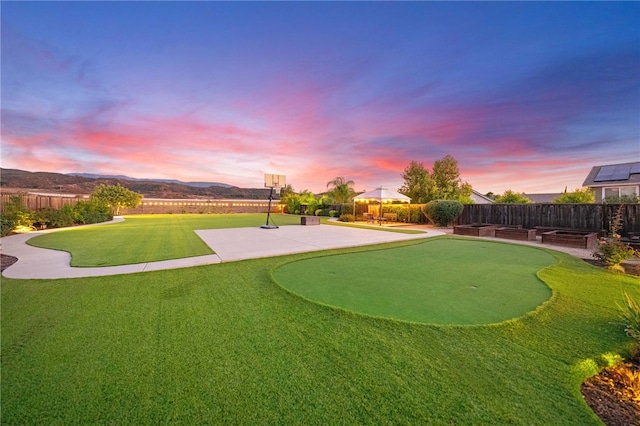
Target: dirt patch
614 394
6 261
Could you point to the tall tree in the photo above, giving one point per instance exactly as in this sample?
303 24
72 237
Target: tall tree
417 183
341 190
443 183
116 197
446 178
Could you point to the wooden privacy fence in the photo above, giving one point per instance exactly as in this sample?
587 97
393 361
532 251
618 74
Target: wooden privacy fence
576 216
36 202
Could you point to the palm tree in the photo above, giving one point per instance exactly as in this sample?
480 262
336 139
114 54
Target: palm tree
341 190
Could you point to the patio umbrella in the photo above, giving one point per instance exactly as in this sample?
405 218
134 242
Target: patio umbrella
382 195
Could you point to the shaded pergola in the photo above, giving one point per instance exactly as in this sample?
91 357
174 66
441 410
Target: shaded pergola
382 195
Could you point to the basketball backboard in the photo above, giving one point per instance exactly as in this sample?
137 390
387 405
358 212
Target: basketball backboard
274 181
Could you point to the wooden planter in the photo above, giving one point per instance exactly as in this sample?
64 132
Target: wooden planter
476 230
632 266
542 229
309 220
516 234
575 239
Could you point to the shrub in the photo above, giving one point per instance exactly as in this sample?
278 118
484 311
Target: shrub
92 211
510 197
83 212
624 199
610 249
630 315
579 196
347 218
346 208
6 225
443 212
15 215
333 213
65 216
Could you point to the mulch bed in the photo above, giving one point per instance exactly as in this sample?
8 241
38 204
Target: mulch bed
6 261
614 394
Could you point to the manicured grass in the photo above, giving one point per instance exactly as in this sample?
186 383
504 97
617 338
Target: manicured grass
224 344
146 238
489 283
379 228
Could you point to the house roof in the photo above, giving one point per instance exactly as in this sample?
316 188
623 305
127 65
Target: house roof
483 197
613 174
543 198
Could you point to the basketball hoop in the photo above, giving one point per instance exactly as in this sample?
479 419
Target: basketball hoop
275 182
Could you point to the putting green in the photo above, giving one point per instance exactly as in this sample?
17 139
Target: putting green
440 281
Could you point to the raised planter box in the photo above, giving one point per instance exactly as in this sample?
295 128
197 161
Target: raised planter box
577 239
516 234
309 220
632 266
542 229
476 230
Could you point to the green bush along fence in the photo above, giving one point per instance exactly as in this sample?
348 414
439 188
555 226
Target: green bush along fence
575 216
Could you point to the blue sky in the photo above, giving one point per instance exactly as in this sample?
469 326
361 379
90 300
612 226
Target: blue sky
526 96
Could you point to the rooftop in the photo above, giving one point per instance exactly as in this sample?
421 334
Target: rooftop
613 174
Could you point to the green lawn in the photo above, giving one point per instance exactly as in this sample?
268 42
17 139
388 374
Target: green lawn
146 238
490 283
225 344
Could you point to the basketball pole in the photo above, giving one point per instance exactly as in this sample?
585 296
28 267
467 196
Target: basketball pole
266 225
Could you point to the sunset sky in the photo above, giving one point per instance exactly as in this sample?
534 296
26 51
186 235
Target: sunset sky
526 96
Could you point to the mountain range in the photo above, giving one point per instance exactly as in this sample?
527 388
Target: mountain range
13 180
179 182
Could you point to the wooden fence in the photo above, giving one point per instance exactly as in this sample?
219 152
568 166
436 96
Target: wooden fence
576 216
36 202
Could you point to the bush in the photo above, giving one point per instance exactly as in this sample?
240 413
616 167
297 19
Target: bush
630 315
333 213
443 212
15 215
92 211
83 212
346 208
610 249
347 218
6 225
625 199
65 216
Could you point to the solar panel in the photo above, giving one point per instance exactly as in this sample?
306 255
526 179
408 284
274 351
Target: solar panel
605 173
621 172
617 172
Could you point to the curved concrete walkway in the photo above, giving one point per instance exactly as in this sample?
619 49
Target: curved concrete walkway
228 245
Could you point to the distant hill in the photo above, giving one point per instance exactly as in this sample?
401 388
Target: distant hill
78 183
179 182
